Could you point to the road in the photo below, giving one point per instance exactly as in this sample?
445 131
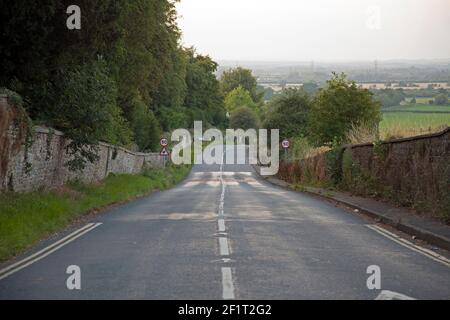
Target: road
225 233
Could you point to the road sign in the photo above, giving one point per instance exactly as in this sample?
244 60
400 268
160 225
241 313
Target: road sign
285 144
164 152
163 142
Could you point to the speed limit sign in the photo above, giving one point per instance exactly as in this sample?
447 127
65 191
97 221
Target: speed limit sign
163 142
285 143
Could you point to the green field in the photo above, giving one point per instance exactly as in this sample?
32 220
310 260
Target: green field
410 120
419 107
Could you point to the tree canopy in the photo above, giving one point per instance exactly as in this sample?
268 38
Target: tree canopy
338 107
288 112
239 97
233 78
244 118
129 51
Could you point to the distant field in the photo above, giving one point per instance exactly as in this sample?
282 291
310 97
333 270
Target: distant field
419 107
415 121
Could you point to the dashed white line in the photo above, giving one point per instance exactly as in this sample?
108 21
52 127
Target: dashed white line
227 284
6 272
223 246
221 225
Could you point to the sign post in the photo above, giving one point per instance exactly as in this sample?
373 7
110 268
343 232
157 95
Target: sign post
285 144
164 153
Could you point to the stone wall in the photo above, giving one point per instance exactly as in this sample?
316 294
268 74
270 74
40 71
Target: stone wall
412 171
42 163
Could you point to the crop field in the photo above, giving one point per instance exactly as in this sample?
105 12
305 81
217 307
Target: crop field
405 121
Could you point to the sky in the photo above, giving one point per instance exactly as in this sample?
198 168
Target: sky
317 30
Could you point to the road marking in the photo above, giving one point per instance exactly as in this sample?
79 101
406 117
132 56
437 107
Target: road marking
405 243
227 283
221 225
391 295
223 246
6 272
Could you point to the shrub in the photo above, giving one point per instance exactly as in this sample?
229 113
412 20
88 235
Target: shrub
244 118
338 107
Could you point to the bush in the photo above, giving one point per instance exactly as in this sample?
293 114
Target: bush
244 118
338 107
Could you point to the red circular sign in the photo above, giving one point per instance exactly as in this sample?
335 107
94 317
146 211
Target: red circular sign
285 144
163 142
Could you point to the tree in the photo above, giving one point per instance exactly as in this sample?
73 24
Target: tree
289 113
203 90
145 127
310 87
234 78
87 112
338 107
244 118
238 97
389 97
441 99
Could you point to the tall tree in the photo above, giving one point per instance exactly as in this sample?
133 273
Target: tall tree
233 78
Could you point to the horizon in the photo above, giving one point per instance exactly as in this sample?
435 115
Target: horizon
324 30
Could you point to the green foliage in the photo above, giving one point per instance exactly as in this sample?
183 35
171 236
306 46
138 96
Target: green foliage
289 113
338 107
203 90
172 118
87 112
142 68
441 99
238 97
233 78
244 118
300 148
145 127
334 163
310 88
389 97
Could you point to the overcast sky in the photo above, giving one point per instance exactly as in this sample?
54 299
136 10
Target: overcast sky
320 30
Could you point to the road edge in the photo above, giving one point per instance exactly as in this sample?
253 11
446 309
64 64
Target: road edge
430 237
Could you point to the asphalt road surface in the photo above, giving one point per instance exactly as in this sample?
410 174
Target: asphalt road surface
225 233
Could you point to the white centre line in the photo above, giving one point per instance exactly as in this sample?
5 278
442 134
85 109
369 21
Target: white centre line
221 225
227 284
6 272
223 246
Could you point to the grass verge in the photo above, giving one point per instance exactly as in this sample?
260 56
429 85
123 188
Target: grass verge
25 218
